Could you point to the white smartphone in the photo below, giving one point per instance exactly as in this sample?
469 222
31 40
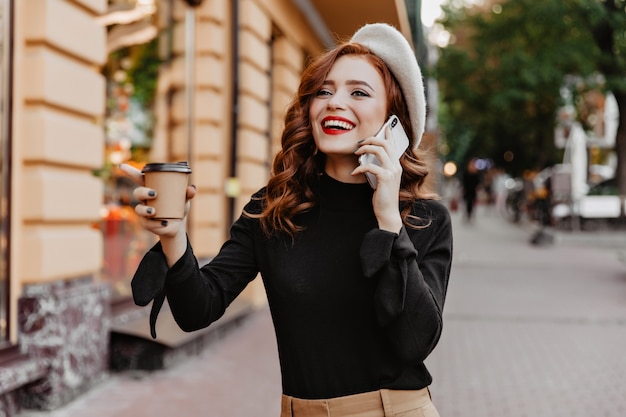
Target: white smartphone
400 143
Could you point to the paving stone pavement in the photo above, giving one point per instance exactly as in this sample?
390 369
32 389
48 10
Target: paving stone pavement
237 376
528 331
532 331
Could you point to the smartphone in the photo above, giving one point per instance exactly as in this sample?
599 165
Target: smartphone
400 143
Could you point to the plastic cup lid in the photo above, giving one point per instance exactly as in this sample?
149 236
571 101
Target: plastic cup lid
167 167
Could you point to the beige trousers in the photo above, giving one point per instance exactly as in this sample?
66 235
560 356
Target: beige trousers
381 403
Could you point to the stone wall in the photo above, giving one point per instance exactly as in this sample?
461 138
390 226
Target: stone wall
67 325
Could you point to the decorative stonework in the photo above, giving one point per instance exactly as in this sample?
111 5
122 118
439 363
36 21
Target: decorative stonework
9 404
67 324
14 375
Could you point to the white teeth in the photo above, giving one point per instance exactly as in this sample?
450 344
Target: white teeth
338 124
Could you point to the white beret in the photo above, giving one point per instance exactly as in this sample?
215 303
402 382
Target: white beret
391 46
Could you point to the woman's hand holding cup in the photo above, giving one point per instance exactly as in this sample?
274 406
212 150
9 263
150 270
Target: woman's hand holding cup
166 217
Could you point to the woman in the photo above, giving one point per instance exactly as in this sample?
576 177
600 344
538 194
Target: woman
356 278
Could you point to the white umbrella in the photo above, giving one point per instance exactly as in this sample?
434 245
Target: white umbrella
575 157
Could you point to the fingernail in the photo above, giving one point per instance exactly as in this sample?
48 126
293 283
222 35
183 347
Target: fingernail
163 222
151 193
149 210
193 185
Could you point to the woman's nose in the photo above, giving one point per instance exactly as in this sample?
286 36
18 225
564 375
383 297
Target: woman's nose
337 101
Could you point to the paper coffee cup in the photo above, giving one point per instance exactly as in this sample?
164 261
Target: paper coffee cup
169 180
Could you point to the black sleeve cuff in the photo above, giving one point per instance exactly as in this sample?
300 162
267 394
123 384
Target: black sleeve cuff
385 256
148 283
149 279
376 250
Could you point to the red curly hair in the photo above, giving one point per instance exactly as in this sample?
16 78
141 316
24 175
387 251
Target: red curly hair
297 166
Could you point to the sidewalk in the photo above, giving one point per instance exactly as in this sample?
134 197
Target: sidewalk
528 331
532 330
237 376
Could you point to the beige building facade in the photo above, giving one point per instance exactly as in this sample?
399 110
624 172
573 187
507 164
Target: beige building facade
227 71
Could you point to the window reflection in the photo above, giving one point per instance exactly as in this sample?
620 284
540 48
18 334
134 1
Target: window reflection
131 72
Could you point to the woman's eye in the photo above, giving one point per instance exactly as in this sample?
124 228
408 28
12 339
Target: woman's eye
323 93
360 93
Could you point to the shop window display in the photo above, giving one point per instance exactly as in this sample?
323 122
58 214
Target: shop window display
131 72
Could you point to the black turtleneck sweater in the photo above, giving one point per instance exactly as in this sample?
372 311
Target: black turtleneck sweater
355 308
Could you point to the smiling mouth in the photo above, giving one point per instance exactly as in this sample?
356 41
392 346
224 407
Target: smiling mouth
337 125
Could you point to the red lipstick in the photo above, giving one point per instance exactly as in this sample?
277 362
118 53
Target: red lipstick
335 125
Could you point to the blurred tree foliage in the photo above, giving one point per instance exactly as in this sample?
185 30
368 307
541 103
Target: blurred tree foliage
144 72
500 79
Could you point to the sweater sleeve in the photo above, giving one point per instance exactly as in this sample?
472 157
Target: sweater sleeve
198 296
411 270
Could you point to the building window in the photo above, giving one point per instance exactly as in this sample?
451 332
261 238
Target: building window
5 143
131 72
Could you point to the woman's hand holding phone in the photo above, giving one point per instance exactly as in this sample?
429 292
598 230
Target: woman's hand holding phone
393 132
379 161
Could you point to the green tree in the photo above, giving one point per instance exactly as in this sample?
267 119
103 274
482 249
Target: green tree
500 81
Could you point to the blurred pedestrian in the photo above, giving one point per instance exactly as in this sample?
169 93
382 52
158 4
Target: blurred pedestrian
356 278
471 182
500 178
